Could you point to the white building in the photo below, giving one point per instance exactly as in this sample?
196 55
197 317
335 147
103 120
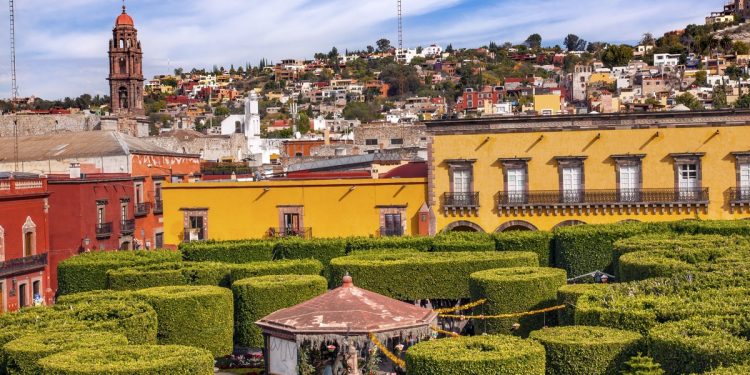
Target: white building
666 59
433 50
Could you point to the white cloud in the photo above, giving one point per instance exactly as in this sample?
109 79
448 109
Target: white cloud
63 44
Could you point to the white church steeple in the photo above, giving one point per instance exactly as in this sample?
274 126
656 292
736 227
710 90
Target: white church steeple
252 116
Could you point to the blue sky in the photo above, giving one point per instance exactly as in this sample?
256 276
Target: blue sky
62 44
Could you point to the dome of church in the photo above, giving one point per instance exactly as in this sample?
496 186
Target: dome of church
124 19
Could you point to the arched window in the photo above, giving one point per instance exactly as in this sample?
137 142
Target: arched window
123 65
128 43
122 43
29 237
123 95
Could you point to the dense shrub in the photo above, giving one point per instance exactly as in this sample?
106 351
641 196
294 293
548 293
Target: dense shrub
699 344
199 316
88 271
145 277
733 370
587 350
516 290
130 360
587 248
279 267
539 242
323 249
207 273
256 297
568 295
136 320
463 241
96 296
387 243
641 265
641 365
23 354
478 355
416 275
718 227
244 251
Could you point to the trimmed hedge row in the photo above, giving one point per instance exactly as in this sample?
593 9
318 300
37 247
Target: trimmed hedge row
539 242
279 267
700 344
130 360
244 251
256 297
145 277
88 271
734 370
199 316
568 295
641 265
477 355
415 275
514 290
386 243
136 320
23 354
463 241
577 350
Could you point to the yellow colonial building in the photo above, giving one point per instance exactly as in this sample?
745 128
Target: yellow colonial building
497 174
232 210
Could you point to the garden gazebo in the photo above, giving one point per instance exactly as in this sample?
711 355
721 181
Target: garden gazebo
341 321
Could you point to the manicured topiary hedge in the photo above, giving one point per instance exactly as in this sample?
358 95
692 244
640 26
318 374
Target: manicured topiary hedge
24 353
279 267
477 355
733 370
207 273
700 344
135 319
586 248
256 297
416 275
244 251
641 265
199 316
463 241
388 243
718 227
516 290
539 242
145 277
322 250
88 271
577 350
568 295
130 360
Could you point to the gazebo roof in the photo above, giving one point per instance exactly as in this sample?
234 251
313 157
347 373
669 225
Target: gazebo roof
348 311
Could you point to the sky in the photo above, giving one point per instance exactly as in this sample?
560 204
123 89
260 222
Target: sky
62 44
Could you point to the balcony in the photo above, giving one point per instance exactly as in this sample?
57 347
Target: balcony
127 226
462 203
738 198
103 230
579 201
391 231
193 235
141 209
23 186
20 266
289 232
158 207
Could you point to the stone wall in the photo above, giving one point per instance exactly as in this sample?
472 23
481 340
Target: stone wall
212 148
47 124
412 136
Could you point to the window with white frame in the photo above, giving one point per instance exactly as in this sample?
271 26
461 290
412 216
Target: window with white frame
516 185
572 184
462 180
745 181
629 184
688 183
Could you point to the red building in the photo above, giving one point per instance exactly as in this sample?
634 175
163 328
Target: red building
472 100
24 241
301 147
90 212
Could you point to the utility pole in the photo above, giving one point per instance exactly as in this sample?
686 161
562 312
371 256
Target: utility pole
14 84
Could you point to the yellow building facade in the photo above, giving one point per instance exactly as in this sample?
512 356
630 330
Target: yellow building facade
547 104
311 208
534 173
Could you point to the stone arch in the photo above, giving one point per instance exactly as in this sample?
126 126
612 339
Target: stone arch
516 225
29 237
123 95
569 223
463 226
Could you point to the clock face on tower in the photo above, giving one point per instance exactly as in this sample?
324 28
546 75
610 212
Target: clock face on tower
125 68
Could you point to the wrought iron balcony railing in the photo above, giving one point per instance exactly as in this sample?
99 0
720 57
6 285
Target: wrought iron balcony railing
602 197
461 200
103 230
127 226
739 195
290 232
20 266
391 231
158 206
141 209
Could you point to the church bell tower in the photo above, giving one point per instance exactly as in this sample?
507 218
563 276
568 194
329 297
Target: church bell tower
125 68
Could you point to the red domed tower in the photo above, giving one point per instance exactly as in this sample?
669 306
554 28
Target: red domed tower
125 68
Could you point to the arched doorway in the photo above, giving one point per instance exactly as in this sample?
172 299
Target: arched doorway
516 225
463 226
569 223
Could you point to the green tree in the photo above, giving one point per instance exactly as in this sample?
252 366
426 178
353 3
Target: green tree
616 55
701 78
719 98
534 41
740 48
648 39
303 123
574 43
383 45
402 79
688 100
640 365
365 112
743 101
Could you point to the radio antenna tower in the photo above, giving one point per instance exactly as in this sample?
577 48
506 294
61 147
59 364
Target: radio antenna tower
14 82
400 27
